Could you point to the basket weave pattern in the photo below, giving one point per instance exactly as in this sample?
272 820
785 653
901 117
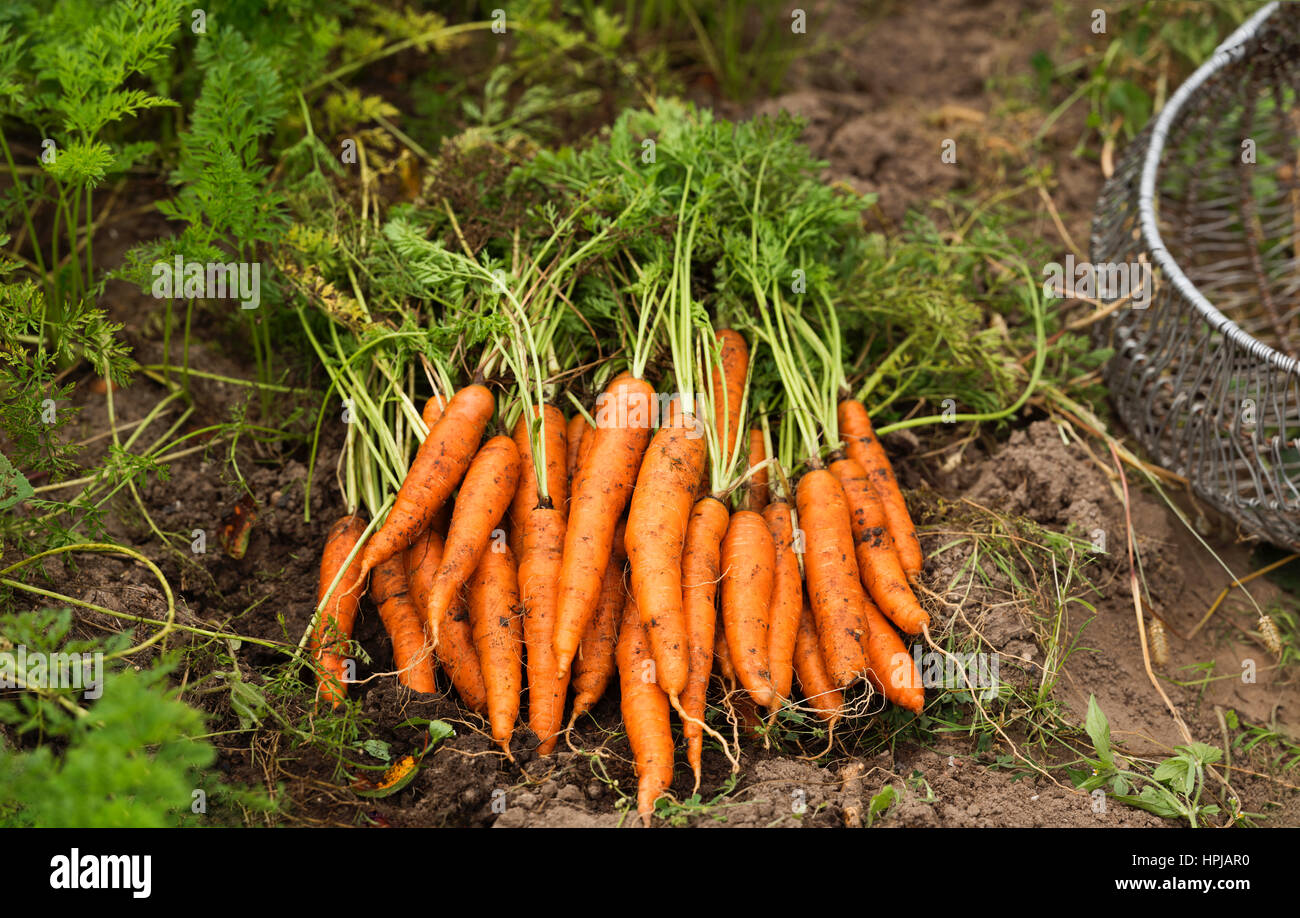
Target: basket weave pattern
1209 196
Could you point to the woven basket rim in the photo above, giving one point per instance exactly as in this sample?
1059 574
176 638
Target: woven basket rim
1230 50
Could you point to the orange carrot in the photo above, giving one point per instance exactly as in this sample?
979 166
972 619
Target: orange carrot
557 476
498 638
894 669
815 683
787 600
578 450
835 592
438 467
411 653
330 637
538 573
618 548
455 650
739 703
594 664
645 713
584 447
729 385
701 567
861 443
433 410
656 530
483 500
748 570
442 519
756 489
602 490
721 652
878 563
747 712
578 427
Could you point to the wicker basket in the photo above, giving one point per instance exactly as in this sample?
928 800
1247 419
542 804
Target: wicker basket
1208 199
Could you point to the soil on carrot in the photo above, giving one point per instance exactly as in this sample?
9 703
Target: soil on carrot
869 112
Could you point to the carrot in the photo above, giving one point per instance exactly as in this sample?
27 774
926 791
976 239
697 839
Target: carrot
498 638
438 467
747 713
411 654
893 667
729 385
455 648
538 572
330 637
484 497
618 548
861 443
594 664
721 652
578 450
442 519
422 560
584 447
748 571
701 565
656 530
433 410
756 489
815 683
831 570
557 476
645 713
787 600
577 428
601 491
878 564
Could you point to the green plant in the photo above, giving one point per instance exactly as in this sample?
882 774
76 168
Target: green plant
680 814
1172 790
69 80
224 198
880 804
747 47
1283 751
33 394
1126 71
122 760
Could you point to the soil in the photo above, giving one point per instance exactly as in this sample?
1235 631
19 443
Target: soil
870 111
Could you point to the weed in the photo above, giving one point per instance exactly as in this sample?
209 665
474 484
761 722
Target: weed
1125 71
680 814
1172 790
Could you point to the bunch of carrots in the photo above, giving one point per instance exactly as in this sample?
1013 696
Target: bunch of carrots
668 530
571 549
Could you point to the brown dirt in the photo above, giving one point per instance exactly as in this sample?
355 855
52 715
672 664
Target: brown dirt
881 118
